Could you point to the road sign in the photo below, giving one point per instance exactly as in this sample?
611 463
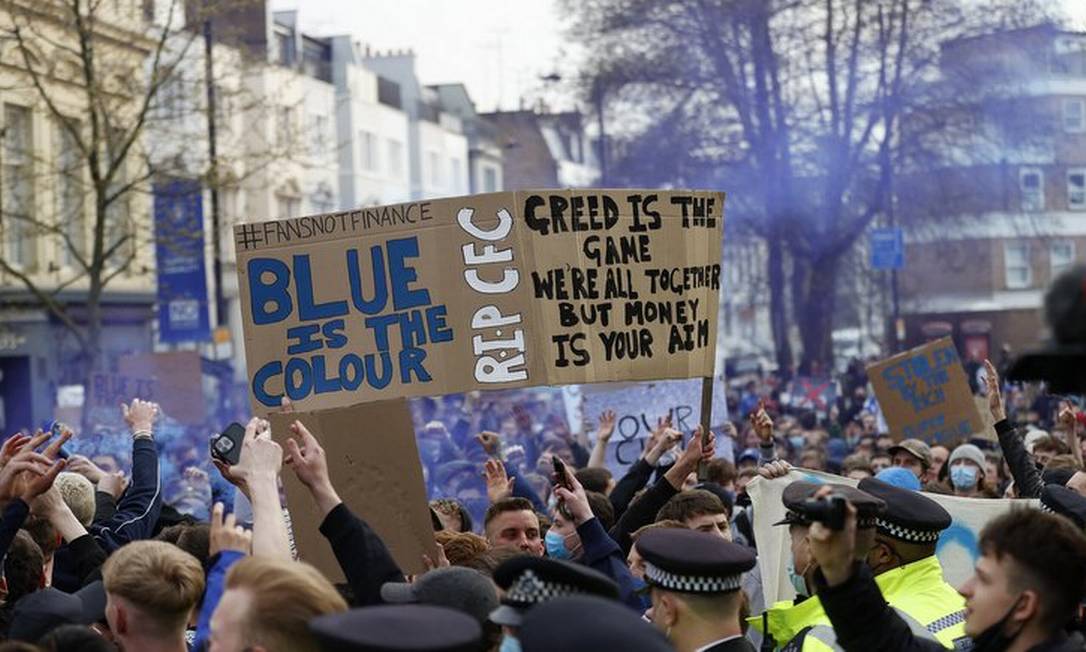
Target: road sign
887 248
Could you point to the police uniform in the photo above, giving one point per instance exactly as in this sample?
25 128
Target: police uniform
933 609
588 624
691 562
527 581
790 622
1068 503
401 628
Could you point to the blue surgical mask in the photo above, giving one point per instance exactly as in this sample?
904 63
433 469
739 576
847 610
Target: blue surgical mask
963 476
798 583
798 442
509 644
556 545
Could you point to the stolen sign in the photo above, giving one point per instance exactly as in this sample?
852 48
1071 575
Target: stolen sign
923 394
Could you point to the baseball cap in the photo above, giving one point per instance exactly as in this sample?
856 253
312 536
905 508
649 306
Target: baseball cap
463 589
916 448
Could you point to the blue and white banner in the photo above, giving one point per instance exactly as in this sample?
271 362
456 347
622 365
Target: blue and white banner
182 272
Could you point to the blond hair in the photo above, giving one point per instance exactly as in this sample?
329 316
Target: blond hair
284 597
158 579
78 495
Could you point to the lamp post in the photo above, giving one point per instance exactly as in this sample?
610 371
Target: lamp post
597 94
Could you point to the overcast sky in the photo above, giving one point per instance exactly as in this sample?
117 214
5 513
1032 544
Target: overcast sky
498 48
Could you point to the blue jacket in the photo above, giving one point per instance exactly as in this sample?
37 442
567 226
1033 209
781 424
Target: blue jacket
602 554
134 519
213 590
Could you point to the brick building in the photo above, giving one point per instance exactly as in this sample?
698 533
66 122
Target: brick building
1005 210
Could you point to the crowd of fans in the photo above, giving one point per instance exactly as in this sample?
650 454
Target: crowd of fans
138 543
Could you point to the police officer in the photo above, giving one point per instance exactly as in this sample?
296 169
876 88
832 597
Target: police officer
695 579
801 624
1028 585
530 581
905 566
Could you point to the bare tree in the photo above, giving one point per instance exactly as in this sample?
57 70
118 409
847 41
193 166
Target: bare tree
793 106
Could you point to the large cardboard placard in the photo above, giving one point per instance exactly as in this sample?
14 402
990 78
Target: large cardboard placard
923 394
482 292
375 469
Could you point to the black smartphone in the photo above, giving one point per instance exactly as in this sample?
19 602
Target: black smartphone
561 480
226 447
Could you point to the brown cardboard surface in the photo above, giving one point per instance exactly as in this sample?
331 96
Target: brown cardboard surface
374 465
482 292
177 379
923 394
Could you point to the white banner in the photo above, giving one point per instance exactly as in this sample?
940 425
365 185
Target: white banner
957 548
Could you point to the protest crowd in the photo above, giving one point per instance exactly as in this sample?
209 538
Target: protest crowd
542 548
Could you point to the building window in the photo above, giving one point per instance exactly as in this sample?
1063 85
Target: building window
490 179
69 195
20 246
323 200
284 46
1016 264
287 206
368 143
395 159
1061 256
1031 182
457 174
433 162
1074 115
1076 188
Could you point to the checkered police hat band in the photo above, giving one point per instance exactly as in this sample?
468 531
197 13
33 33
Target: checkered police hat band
529 589
690 583
896 531
864 523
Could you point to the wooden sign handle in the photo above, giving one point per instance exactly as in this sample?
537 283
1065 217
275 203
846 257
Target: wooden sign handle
706 417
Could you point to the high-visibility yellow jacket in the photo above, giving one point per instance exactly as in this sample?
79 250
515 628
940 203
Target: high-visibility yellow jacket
916 591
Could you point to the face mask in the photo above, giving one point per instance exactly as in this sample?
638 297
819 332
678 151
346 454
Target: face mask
556 546
798 442
994 639
798 583
963 476
509 644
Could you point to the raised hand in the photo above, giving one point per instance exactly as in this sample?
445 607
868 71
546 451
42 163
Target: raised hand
995 399
308 459
576 501
762 423
669 438
440 562
1067 418
140 415
490 441
23 469
774 469
86 468
113 484
12 445
607 426
498 484
260 458
834 549
226 534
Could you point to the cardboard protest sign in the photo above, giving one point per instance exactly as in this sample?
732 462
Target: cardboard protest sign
923 394
957 548
637 408
177 378
376 472
483 292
